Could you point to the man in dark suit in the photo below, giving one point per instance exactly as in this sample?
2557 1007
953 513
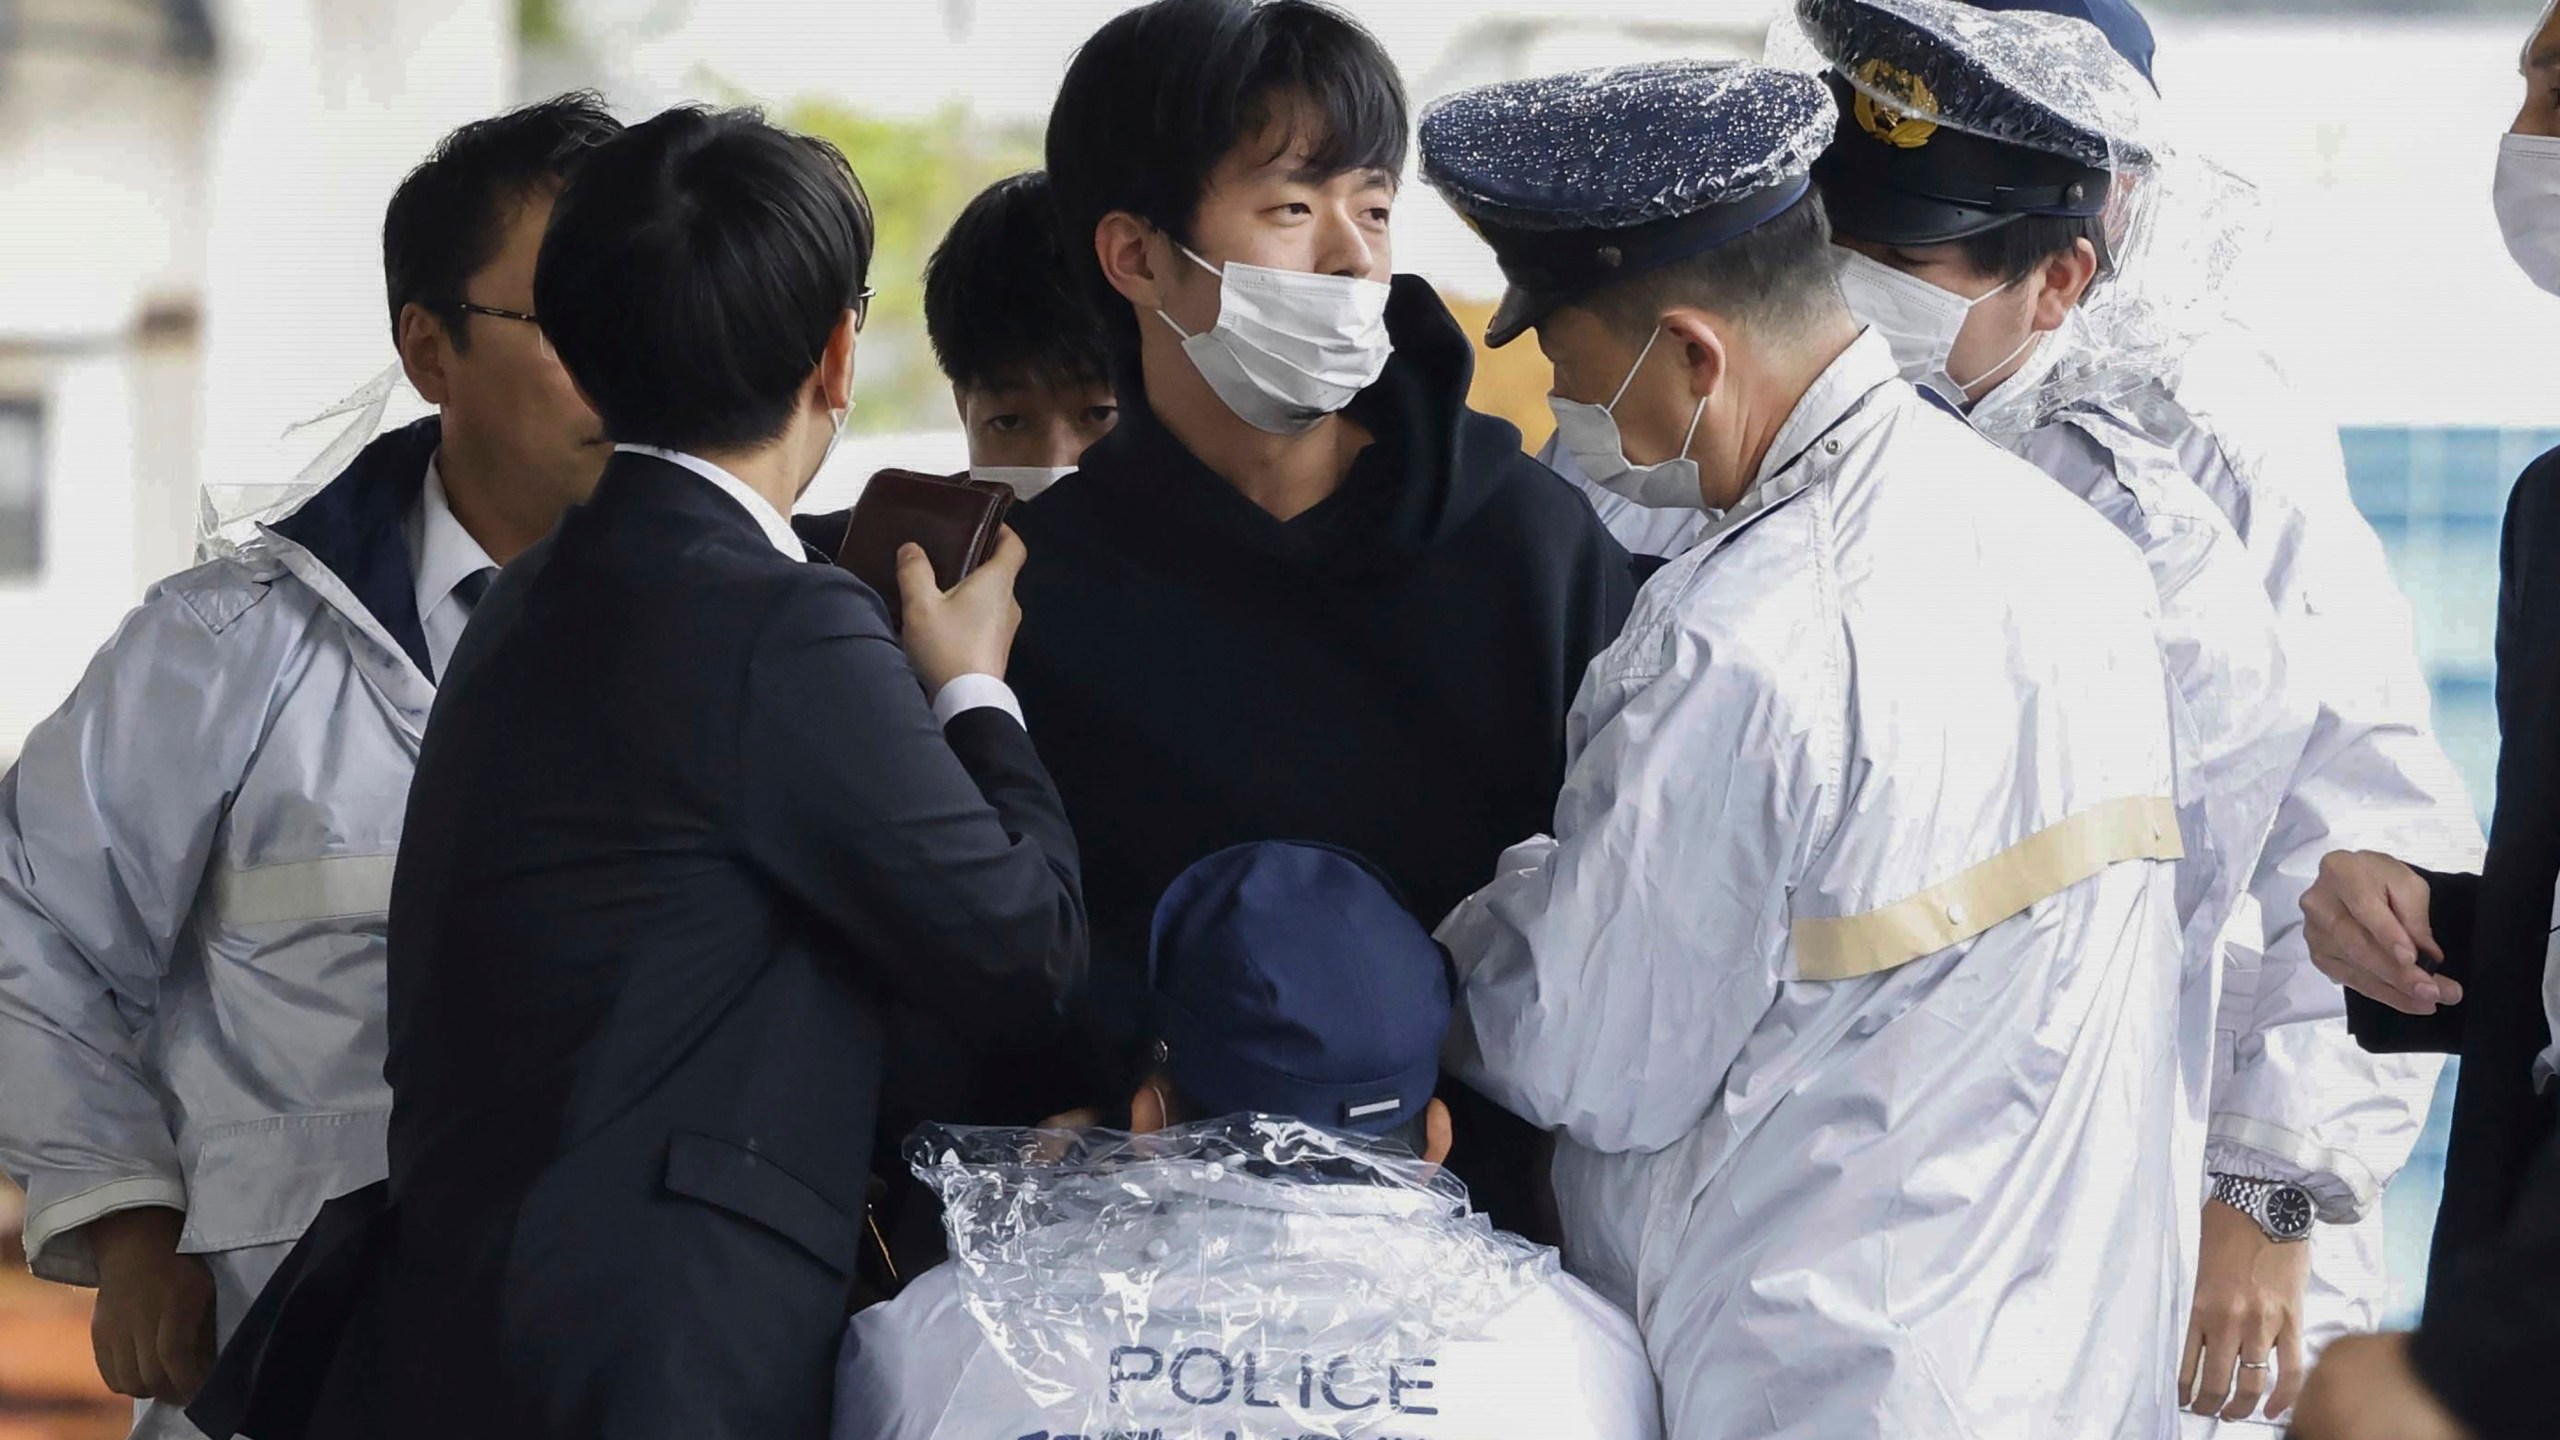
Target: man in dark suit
685 826
2469 965
2456 964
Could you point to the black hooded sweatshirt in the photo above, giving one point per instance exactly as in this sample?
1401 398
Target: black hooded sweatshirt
1388 672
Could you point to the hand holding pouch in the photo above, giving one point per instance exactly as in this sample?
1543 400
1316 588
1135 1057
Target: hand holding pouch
955 519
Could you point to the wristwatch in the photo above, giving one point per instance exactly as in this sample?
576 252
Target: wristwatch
2283 1210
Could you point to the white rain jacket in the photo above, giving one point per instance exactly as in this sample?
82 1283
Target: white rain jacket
195 861
1850 973
1303 1287
2294 1097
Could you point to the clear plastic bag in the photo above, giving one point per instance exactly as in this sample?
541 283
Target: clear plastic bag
228 514
1253 1267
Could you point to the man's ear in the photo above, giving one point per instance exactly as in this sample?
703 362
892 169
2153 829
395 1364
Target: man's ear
1438 1135
2067 278
425 349
1124 244
1702 349
1147 1110
835 366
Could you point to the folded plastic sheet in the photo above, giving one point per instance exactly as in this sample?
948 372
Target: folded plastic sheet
228 513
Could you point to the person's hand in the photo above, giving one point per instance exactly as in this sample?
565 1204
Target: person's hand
153 1326
2365 919
2246 1327
2365 1389
2541 112
967 630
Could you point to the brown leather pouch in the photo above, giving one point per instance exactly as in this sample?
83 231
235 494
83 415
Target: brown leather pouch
956 519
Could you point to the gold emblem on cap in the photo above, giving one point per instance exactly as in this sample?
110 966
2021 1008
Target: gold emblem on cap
1904 119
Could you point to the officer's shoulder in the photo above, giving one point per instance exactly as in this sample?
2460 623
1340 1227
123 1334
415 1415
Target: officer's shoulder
1566 1321
1941 473
2145 468
216 595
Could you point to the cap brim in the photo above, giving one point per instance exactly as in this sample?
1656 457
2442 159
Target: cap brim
1519 310
1887 216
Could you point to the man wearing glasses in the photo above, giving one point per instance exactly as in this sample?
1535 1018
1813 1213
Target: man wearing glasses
196 849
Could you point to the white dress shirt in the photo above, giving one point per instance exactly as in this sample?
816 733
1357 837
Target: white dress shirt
442 555
964 693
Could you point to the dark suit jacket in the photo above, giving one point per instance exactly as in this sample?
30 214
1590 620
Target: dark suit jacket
2494 927
682 831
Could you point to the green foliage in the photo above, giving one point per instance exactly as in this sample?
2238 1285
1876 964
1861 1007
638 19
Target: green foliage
542 22
919 174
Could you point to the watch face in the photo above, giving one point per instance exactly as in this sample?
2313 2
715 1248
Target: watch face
2289 1212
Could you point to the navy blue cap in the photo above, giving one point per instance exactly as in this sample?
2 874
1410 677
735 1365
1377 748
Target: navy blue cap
1288 979
1955 120
2122 24
1580 180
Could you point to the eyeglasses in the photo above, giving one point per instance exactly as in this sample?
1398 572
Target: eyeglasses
862 308
494 313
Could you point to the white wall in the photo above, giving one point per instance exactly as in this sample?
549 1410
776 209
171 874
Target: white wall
325 105
2374 143
101 163
252 198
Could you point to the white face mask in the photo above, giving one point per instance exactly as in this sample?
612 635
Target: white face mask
1590 434
2527 197
1026 480
1920 321
1289 347
834 439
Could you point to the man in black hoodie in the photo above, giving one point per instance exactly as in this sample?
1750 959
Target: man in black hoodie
1302 592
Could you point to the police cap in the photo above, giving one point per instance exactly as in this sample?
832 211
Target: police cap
1955 120
1580 180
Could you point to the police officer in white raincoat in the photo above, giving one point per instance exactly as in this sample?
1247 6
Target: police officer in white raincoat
1276 1253
2043 266
1850 971
196 849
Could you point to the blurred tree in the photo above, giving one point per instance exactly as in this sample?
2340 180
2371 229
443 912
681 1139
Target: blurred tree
919 174
541 22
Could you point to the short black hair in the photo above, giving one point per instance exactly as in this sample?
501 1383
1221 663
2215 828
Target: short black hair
693 272
448 219
1001 304
2015 250
1778 277
1162 94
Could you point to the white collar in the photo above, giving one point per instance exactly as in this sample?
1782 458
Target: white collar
1866 364
1849 378
446 554
776 527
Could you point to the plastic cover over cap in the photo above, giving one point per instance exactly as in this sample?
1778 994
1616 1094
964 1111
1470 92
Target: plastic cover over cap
2119 20
1580 179
2024 78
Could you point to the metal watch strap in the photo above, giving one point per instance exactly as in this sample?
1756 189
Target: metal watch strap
2254 1198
